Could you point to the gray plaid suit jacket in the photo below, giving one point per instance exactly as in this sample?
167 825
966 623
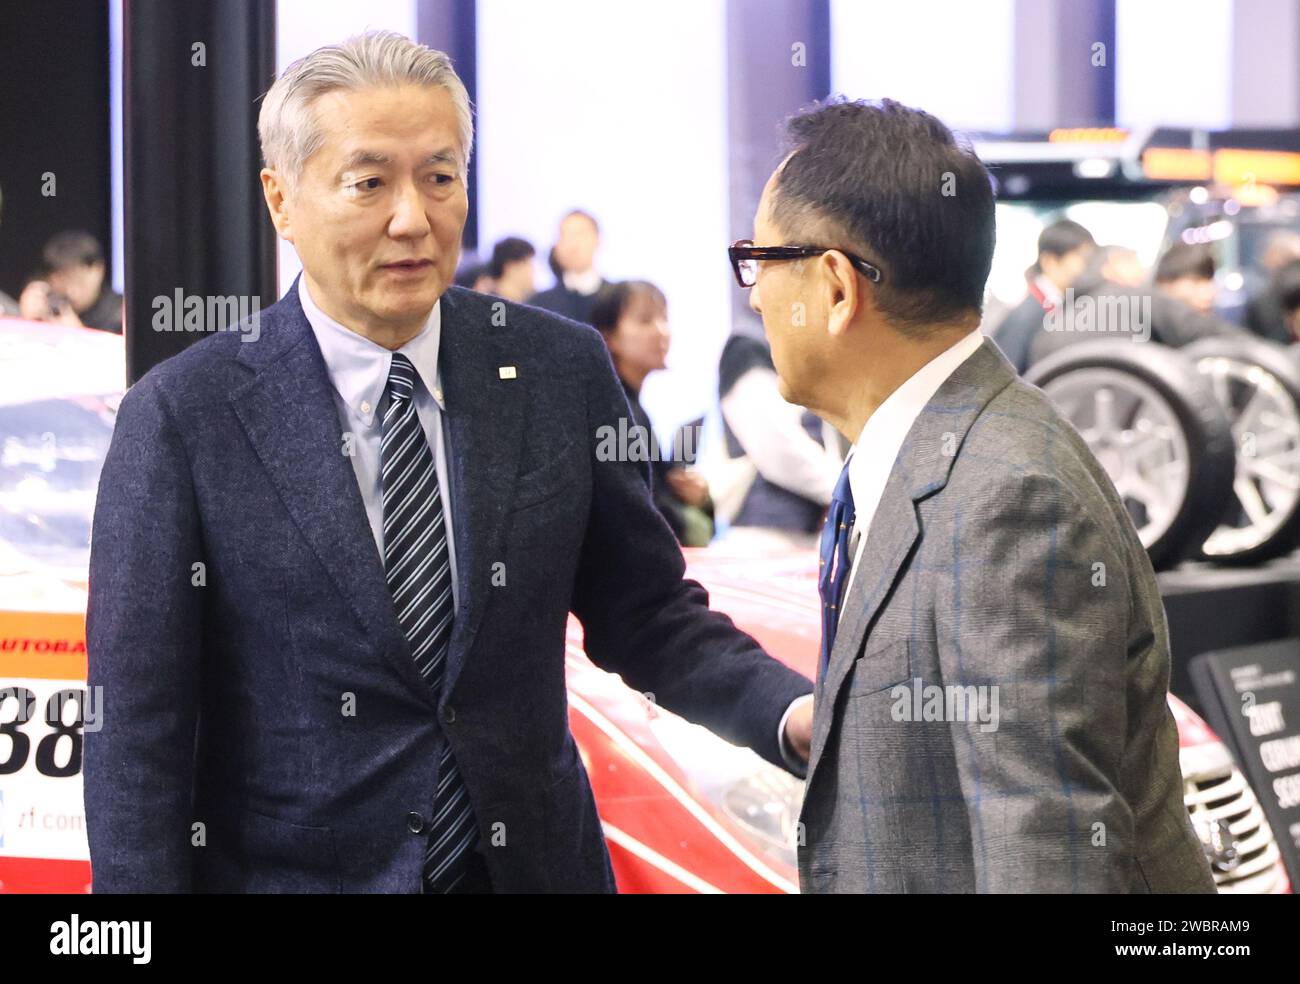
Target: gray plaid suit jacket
1002 572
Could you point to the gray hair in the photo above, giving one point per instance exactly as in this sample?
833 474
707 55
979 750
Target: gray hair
287 126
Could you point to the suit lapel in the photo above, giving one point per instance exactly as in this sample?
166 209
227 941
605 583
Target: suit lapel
288 412
920 470
485 424
893 532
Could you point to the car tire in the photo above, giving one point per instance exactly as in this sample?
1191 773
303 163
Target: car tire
1258 384
1138 402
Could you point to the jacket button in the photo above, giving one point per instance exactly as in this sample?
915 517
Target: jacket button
449 715
415 823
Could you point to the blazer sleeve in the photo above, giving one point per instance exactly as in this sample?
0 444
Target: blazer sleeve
143 634
644 620
1040 616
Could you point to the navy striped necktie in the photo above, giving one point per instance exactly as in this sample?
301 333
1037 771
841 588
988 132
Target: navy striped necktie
418 566
835 561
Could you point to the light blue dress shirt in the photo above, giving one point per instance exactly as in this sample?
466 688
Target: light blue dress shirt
358 371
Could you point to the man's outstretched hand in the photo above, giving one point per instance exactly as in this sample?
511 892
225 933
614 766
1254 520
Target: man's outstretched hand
799 727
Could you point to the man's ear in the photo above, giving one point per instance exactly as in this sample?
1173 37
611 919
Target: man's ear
275 190
844 295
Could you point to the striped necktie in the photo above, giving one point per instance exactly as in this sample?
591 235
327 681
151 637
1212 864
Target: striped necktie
418 566
835 561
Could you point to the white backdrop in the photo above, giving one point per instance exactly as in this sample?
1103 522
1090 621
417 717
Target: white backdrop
619 109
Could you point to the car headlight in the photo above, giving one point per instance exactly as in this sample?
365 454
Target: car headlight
760 797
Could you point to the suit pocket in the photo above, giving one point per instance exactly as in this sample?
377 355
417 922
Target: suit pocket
547 481
251 852
881 668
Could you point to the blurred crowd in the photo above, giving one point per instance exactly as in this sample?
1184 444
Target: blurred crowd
769 472
1176 298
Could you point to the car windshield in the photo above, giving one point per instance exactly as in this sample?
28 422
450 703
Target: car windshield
50 461
59 391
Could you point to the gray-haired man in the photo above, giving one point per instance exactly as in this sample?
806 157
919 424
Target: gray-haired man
395 498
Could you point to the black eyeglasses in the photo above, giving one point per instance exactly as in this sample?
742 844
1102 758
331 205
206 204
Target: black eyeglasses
745 257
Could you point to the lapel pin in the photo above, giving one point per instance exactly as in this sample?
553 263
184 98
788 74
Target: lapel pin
507 372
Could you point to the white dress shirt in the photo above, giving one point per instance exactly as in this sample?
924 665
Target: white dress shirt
585 283
872 457
771 432
358 370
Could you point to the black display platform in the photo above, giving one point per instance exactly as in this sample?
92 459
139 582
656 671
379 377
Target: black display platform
1213 608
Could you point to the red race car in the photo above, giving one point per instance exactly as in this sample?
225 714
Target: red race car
683 810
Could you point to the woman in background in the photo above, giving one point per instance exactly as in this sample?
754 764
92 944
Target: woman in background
632 317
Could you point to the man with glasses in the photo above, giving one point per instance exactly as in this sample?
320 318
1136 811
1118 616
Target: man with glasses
991 699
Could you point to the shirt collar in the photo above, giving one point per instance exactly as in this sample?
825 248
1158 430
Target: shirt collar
1051 293
885 430
358 368
584 283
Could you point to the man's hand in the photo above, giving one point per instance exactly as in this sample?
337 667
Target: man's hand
799 728
690 486
40 302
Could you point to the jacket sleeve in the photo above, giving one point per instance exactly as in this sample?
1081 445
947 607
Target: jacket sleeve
1039 618
143 633
644 620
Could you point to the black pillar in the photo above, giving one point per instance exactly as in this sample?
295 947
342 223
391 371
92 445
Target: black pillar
194 215
778 61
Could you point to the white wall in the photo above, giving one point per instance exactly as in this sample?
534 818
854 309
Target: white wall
1173 62
619 109
951 58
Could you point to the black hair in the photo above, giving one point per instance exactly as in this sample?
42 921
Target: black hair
612 300
1063 236
509 250
586 215
1286 285
892 184
66 250
1185 260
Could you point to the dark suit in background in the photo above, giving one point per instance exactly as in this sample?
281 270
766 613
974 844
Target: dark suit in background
568 303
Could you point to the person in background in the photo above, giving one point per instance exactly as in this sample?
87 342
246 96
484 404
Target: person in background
1112 297
574 264
72 289
1264 313
795 460
512 269
632 317
1186 273
1064 249
1121 265
1286 290
473 275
